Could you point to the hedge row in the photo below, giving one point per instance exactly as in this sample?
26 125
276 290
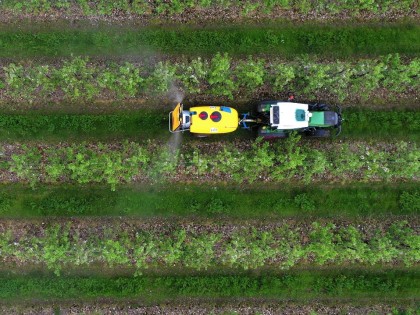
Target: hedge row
247 248
245 162
220 76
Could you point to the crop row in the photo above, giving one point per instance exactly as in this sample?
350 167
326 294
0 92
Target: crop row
248 7
220 76
246 248
245 162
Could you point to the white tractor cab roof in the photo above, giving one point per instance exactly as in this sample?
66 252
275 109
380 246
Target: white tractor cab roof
287 115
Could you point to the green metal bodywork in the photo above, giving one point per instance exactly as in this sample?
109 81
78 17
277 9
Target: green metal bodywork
266 108
317 120
268 130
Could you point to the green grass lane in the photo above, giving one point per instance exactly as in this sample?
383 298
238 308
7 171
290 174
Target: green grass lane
211 201
144 124
302 286
369 123
282 39
138 124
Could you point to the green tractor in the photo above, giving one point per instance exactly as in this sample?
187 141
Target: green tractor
277 119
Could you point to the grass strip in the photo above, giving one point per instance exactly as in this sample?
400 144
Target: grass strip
73 127
303 286
141 124
369 123
267 201
284 40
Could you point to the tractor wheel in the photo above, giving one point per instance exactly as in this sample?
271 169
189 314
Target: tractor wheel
323 107
321 133
318 107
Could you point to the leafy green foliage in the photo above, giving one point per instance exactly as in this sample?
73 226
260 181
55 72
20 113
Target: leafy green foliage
161 79
78 79
276 162
219 76
82 164
251 73
243 248
124 80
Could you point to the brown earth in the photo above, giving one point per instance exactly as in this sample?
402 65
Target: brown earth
204 16
197 307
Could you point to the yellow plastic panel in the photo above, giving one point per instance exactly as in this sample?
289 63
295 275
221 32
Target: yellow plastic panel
176 117
229 121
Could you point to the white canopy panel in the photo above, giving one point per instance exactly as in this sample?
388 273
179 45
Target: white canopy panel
286 115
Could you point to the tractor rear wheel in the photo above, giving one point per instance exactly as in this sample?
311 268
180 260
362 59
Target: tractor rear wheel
321 133
318 107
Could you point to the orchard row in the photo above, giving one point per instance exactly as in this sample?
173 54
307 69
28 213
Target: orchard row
220 76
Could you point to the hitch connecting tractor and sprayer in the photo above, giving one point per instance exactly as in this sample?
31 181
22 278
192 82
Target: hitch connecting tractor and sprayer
272 119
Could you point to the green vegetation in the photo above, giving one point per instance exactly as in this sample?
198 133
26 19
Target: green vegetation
247 7
254 161
78 79
369 123
287 40
138 124
99 203
303 286
348 201
66 245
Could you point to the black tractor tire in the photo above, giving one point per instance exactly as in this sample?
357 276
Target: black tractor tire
321 133
319 107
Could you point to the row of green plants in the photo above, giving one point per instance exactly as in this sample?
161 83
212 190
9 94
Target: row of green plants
248 161
58 246
159 290
80 79
248 7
